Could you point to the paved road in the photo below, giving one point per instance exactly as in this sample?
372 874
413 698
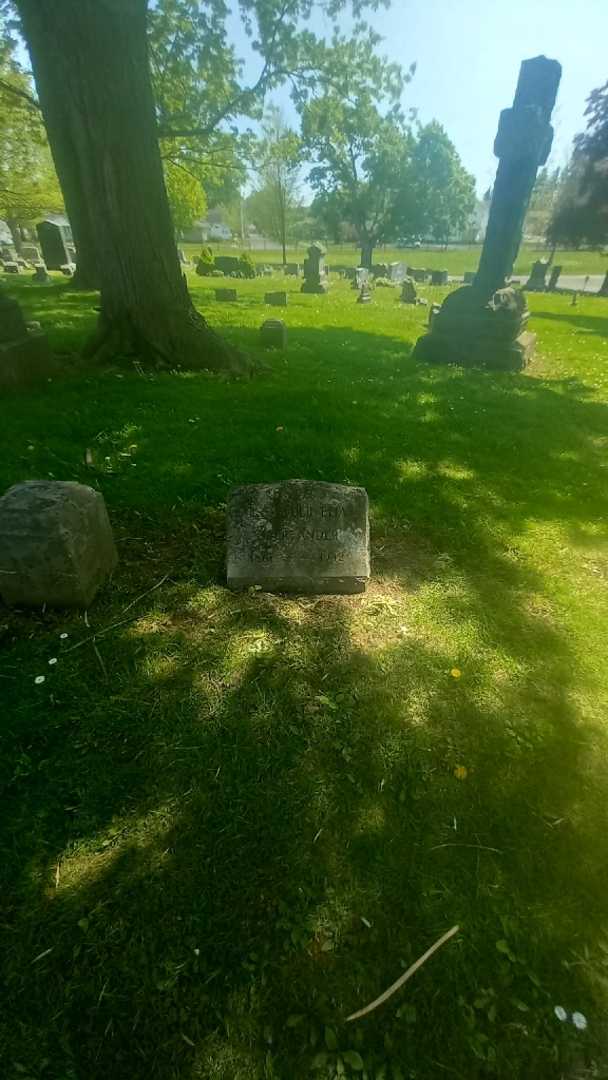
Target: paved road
567 281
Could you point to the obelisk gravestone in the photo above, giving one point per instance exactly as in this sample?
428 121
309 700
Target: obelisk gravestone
484 324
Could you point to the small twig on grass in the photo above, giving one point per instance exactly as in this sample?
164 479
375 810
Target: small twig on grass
157 586
477 847
42 955
100 658
114 625
404 978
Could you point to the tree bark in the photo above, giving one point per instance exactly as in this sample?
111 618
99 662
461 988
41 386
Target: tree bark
367 252
90 62
13 225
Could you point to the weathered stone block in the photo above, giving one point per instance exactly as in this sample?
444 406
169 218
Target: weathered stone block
439 277
273 334
277 299
226 295
56 544
300 536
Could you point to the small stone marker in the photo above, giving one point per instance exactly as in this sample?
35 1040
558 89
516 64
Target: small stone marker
273 334
439 277
301 536
40 276
226 295
56 544
408 291
12 268
278 299
365 296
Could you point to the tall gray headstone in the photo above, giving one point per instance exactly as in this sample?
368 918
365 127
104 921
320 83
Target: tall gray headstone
56 544
300 536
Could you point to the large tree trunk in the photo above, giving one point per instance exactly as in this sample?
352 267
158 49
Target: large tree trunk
13 225
92 55
367 253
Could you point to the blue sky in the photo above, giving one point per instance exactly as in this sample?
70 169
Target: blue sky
468 54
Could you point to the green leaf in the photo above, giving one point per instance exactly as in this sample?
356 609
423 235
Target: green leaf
320 1060
353 1059
293 1021
331 1041
504 948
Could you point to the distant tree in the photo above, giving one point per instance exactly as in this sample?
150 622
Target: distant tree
544 198
272 207
441 195
581 210
28 182
353 127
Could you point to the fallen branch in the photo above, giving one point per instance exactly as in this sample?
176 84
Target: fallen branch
404 978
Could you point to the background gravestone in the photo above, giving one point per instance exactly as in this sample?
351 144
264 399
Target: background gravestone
408 291
314 270
277 299
439 277
56 544
538 273
273 334
55 236
300 536
226 295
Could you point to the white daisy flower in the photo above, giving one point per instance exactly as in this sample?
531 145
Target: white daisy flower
579 1021
560 1012
53 660
63 636
40 679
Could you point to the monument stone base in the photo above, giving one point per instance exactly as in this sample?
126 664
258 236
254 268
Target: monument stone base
471 333
320 288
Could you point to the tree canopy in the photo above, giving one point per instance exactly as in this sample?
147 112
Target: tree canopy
272 206
28 183
581 211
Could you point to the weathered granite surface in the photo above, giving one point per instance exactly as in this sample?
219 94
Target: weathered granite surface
56 544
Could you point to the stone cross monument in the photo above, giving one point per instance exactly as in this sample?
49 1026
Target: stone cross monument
484 324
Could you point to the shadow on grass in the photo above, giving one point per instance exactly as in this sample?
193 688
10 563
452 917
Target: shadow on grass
241 835
589 324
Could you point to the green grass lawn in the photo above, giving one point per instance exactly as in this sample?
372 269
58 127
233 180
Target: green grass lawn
244 816
456 259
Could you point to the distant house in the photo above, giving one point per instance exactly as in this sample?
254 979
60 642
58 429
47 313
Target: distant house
210 228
